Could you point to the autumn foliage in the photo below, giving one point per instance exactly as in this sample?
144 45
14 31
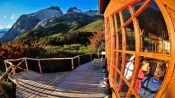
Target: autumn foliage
13 51
97 42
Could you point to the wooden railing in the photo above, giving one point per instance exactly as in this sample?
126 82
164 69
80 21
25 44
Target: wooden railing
11 68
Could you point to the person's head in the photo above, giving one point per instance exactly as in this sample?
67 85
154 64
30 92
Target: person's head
145 66
145 50
159 70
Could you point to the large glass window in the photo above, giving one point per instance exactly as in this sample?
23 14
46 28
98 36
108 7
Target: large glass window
145 65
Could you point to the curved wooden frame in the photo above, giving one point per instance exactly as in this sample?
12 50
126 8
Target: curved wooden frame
112 44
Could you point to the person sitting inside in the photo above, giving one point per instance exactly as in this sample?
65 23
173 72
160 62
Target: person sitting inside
144 70
129 68
150 85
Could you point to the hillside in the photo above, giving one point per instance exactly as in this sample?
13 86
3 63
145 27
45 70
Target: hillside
93 27
61 33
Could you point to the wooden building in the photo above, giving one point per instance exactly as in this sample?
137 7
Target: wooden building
143 29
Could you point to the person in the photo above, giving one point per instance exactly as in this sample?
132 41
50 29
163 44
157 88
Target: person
129 68
143 71
150 85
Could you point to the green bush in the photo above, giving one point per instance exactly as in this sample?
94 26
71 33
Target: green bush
9 87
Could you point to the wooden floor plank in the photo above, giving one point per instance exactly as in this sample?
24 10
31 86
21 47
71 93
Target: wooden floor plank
84 81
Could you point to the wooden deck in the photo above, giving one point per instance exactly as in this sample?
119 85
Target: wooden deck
84 81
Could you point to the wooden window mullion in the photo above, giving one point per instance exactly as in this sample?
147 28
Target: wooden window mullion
116 44
123 49
137 46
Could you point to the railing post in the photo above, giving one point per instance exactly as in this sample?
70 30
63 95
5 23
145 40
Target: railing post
78 60
5 65
39 64
26 64
72 63
91 56
14 74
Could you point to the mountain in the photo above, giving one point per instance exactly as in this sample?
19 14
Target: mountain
50 21
73 10
67 28
27 22
3 31
92 12
60 34
77 19
47 13
63 29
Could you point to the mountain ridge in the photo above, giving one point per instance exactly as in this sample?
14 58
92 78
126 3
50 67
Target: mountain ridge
51 18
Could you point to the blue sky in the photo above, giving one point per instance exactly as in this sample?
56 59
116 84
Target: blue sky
10 10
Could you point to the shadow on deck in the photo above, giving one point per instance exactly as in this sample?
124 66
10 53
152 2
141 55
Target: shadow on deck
84 81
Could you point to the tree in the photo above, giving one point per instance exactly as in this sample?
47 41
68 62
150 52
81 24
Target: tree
97 41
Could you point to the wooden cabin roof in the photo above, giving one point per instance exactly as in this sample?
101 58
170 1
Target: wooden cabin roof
102 5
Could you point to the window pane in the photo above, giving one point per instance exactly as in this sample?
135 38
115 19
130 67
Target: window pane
120 61
130 37
118 24
150 76
120 40
123 91
117 79
154 34
129 67
126 14
132 96
138 5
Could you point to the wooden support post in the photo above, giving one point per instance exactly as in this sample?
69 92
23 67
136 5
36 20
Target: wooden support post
39 65
78 60
91 57
26 65
14 74
72 63
5 65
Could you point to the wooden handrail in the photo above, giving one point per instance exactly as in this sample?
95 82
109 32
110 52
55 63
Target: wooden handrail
12 68
8 61
6 73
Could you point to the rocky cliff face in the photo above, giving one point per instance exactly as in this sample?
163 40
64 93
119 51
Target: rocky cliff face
73 15
29 21
47 13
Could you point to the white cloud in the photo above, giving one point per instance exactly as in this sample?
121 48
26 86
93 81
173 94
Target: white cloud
1 27
5 16
13 16
9 26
